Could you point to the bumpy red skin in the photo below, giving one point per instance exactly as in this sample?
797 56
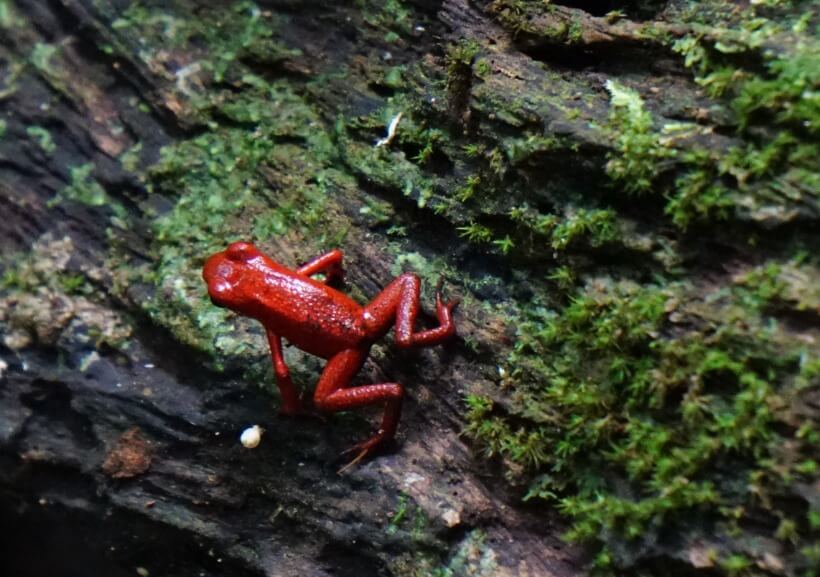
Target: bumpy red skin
324 322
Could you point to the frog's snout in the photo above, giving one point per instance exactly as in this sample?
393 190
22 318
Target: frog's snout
215 273
219 291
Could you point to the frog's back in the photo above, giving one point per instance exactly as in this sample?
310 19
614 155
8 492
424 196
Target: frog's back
311 315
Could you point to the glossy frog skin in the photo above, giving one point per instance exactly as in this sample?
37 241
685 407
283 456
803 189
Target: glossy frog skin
324 322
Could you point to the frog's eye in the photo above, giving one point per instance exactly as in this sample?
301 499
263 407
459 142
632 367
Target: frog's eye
241 251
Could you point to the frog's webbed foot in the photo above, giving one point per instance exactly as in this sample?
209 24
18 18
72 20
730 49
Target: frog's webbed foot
366 449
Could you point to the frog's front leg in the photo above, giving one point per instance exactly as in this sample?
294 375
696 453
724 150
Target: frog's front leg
330 264
332 396
399 303
291 402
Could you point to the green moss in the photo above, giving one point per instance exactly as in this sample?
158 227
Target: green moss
43 138
384 165
590 228
575 32
219 181
772 175
85 189
261 165
392 16
467 191
460 59
650 411
597 227
520 150
505 245
630 434
41 56
229 33
8 15
482 67
408 517
475 232
461 55
130 159
397 516
637 148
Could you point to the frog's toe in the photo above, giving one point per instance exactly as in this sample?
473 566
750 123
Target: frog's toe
365 449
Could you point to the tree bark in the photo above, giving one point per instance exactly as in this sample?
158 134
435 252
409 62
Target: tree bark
119 428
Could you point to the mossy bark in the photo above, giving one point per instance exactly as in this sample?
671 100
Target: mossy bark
632 188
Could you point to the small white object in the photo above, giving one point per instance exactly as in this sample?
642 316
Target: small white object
451 518
251 437
391 131
3 366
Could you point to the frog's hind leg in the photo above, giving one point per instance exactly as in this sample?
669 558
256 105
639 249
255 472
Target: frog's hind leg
399 303
332 395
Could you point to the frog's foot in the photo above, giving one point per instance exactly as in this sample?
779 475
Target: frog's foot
444 310
366 448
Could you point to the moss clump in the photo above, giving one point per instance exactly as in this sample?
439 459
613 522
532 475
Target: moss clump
578 226
770 177
223 183
637 147
47 302
85 189
389 166
641 410
220 35
43 138
533 19
260 165
391 16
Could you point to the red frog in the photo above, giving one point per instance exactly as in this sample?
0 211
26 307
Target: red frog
327 323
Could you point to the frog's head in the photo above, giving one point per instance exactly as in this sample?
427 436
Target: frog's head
228 274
